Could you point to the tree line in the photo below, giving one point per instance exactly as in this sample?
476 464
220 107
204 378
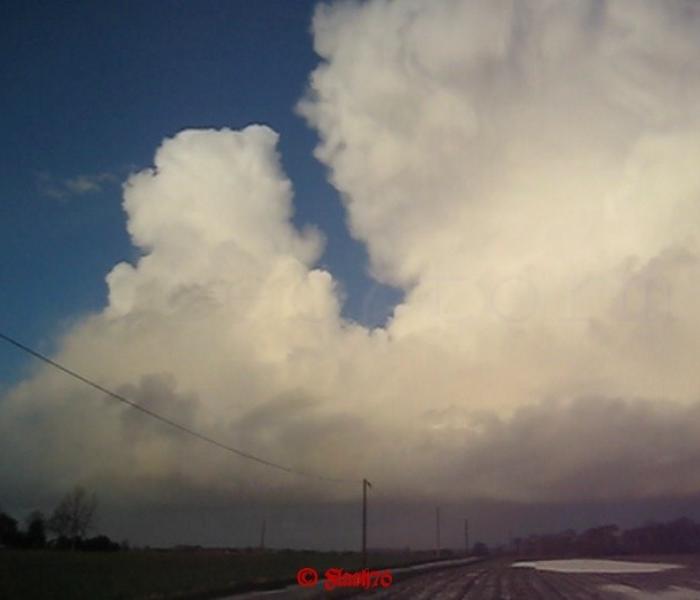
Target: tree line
66 528
678 536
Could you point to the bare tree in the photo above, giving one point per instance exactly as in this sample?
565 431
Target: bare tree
74 516
35 523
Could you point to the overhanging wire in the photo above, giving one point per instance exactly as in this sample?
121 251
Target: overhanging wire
168 421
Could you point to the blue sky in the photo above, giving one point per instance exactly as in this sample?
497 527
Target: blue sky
90 89
526 172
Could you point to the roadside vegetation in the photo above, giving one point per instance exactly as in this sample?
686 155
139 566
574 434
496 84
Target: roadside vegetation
55 558
183 574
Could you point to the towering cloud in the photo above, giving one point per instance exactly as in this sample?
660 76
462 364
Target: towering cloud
525 171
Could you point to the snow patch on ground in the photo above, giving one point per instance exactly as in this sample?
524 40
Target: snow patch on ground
672 593
596 566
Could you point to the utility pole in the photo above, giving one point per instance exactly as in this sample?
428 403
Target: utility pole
466 536
262 535
437 532
365 485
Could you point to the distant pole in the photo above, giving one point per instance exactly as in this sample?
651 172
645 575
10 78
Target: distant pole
365 485
262 535
437 532
466 536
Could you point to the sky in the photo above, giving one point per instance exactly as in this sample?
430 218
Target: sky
449 246
90 92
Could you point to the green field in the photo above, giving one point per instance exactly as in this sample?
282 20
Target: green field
45 575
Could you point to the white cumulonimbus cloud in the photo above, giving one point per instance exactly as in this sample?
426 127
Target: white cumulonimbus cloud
524 171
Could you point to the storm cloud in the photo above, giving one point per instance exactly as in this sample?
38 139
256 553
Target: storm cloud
525 172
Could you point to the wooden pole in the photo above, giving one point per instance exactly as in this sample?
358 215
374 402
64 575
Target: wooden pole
466 536
437 532
262 536
365 485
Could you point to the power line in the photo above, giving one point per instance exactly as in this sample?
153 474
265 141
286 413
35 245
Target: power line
168 421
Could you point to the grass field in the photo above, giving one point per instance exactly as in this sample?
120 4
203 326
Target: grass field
140 574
